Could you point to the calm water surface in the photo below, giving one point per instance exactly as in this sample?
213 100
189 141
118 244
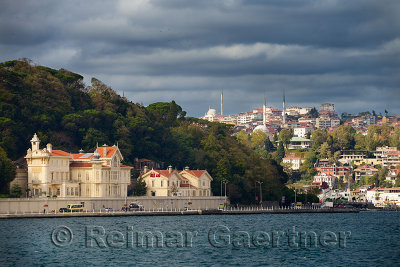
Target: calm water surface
374 241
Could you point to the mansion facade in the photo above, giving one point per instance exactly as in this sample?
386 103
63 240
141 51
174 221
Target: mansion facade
56 173
177 183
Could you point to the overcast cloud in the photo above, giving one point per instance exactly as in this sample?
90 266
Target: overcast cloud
343 52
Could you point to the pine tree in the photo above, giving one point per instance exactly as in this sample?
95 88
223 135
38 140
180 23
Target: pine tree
140 188
269 147
280 153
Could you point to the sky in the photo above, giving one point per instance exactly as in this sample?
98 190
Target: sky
342 52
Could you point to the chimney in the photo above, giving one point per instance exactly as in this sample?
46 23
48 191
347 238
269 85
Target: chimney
104 150
49 148
170 168
186 168
145 169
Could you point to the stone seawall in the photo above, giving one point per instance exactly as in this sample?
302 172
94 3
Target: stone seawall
29 205
176 212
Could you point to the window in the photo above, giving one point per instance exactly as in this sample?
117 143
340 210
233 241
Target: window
115 162
152 183
162 184
114 175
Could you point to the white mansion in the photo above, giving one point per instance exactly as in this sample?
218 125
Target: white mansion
62 174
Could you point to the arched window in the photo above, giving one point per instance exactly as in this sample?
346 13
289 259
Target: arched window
115 162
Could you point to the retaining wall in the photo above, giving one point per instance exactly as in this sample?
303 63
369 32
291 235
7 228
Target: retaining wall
20 205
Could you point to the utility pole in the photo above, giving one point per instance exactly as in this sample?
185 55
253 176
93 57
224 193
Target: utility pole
295 196
255 192
225 182
259 182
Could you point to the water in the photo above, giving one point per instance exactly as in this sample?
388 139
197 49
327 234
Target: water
374 240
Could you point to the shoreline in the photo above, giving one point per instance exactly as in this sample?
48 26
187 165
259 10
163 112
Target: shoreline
173 213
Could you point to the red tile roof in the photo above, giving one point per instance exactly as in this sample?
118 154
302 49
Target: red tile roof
365 167
110 151
143 160
164 173
196 173
394 153
60 153
80 164
77 156
124 166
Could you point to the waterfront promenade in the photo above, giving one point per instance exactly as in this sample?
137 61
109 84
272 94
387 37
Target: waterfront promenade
177 212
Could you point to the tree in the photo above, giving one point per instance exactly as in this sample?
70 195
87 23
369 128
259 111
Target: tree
382 173
222 169
275 137
313 113
287 168
344 137
324 150
140 188
93 137
257 139
7 171
397 183
307 169
336 156
285 136
269 147
280 153
318 137
243 138
15 191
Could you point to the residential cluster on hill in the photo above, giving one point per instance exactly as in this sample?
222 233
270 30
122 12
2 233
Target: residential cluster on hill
319 149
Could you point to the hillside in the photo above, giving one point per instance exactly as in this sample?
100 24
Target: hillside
63 111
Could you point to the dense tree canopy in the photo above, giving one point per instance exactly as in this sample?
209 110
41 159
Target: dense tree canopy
63 111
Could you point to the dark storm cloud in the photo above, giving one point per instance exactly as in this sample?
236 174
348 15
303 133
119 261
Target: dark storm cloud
345 52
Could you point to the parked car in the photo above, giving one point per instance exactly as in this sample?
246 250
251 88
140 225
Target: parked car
135 207
109 209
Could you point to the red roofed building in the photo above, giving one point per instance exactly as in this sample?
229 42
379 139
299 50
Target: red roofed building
62 174
323 166
391 158
364 171
294 160
177 183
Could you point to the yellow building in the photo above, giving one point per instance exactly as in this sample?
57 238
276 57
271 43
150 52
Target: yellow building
173 183
62 174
